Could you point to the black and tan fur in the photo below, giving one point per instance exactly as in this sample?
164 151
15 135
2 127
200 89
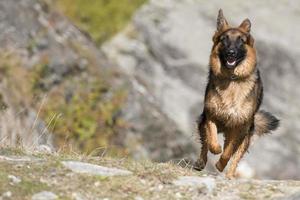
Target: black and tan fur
232 98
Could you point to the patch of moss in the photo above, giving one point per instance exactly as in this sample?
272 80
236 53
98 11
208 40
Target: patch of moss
86 114
102 18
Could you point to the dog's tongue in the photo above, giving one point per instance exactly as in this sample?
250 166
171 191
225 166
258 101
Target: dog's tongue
231 59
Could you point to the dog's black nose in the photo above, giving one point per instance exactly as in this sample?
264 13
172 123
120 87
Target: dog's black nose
231 52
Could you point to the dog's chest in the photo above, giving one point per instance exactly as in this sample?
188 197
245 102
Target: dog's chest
231 104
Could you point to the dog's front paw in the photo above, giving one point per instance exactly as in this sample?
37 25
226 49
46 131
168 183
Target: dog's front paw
199 164
220 166
215 149
230 175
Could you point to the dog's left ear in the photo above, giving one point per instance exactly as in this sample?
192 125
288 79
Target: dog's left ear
246 25
222 23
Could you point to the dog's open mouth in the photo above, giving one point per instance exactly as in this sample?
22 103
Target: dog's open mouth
231 62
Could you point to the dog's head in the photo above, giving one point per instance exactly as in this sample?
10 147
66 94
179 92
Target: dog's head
232 43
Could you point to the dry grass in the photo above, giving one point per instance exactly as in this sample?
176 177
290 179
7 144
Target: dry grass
20 126
148 181
21 132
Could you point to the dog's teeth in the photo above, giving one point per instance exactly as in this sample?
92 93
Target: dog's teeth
231 63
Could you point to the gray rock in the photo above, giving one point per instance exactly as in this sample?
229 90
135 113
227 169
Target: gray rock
195 181
81 167
39 38
295 196
14 179
44 195
46 149
77 196
6 194
19 158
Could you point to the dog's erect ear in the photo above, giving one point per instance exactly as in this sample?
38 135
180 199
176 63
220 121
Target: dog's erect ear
246 25
222 23
250 40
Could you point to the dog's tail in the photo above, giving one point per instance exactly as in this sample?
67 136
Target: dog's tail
264 123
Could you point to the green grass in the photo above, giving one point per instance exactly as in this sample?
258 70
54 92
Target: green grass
100 18
29 185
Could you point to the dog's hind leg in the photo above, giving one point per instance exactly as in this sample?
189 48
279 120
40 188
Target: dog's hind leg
202 160
238 155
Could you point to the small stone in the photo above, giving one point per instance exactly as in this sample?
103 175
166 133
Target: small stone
196 181
14 179
81 167
77 196
160 187
43 149
143 181
7 194
97 184
44 195
18 158
178 195
42 44
138 198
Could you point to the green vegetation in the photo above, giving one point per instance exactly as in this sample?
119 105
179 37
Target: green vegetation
82 109
100 18
87 117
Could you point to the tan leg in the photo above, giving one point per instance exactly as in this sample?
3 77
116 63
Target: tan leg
208 135
212 137
232 140
241 150
227 151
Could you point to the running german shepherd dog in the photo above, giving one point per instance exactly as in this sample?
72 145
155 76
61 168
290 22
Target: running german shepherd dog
232 98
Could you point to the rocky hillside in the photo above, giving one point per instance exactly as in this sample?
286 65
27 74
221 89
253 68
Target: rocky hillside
54 80
59 89
165 52
64 84
39 176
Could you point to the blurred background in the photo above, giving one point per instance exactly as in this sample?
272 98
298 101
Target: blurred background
127 77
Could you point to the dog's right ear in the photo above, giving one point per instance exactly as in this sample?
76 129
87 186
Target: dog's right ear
222 23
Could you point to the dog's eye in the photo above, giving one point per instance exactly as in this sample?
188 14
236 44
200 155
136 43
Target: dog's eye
243 39
223 39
